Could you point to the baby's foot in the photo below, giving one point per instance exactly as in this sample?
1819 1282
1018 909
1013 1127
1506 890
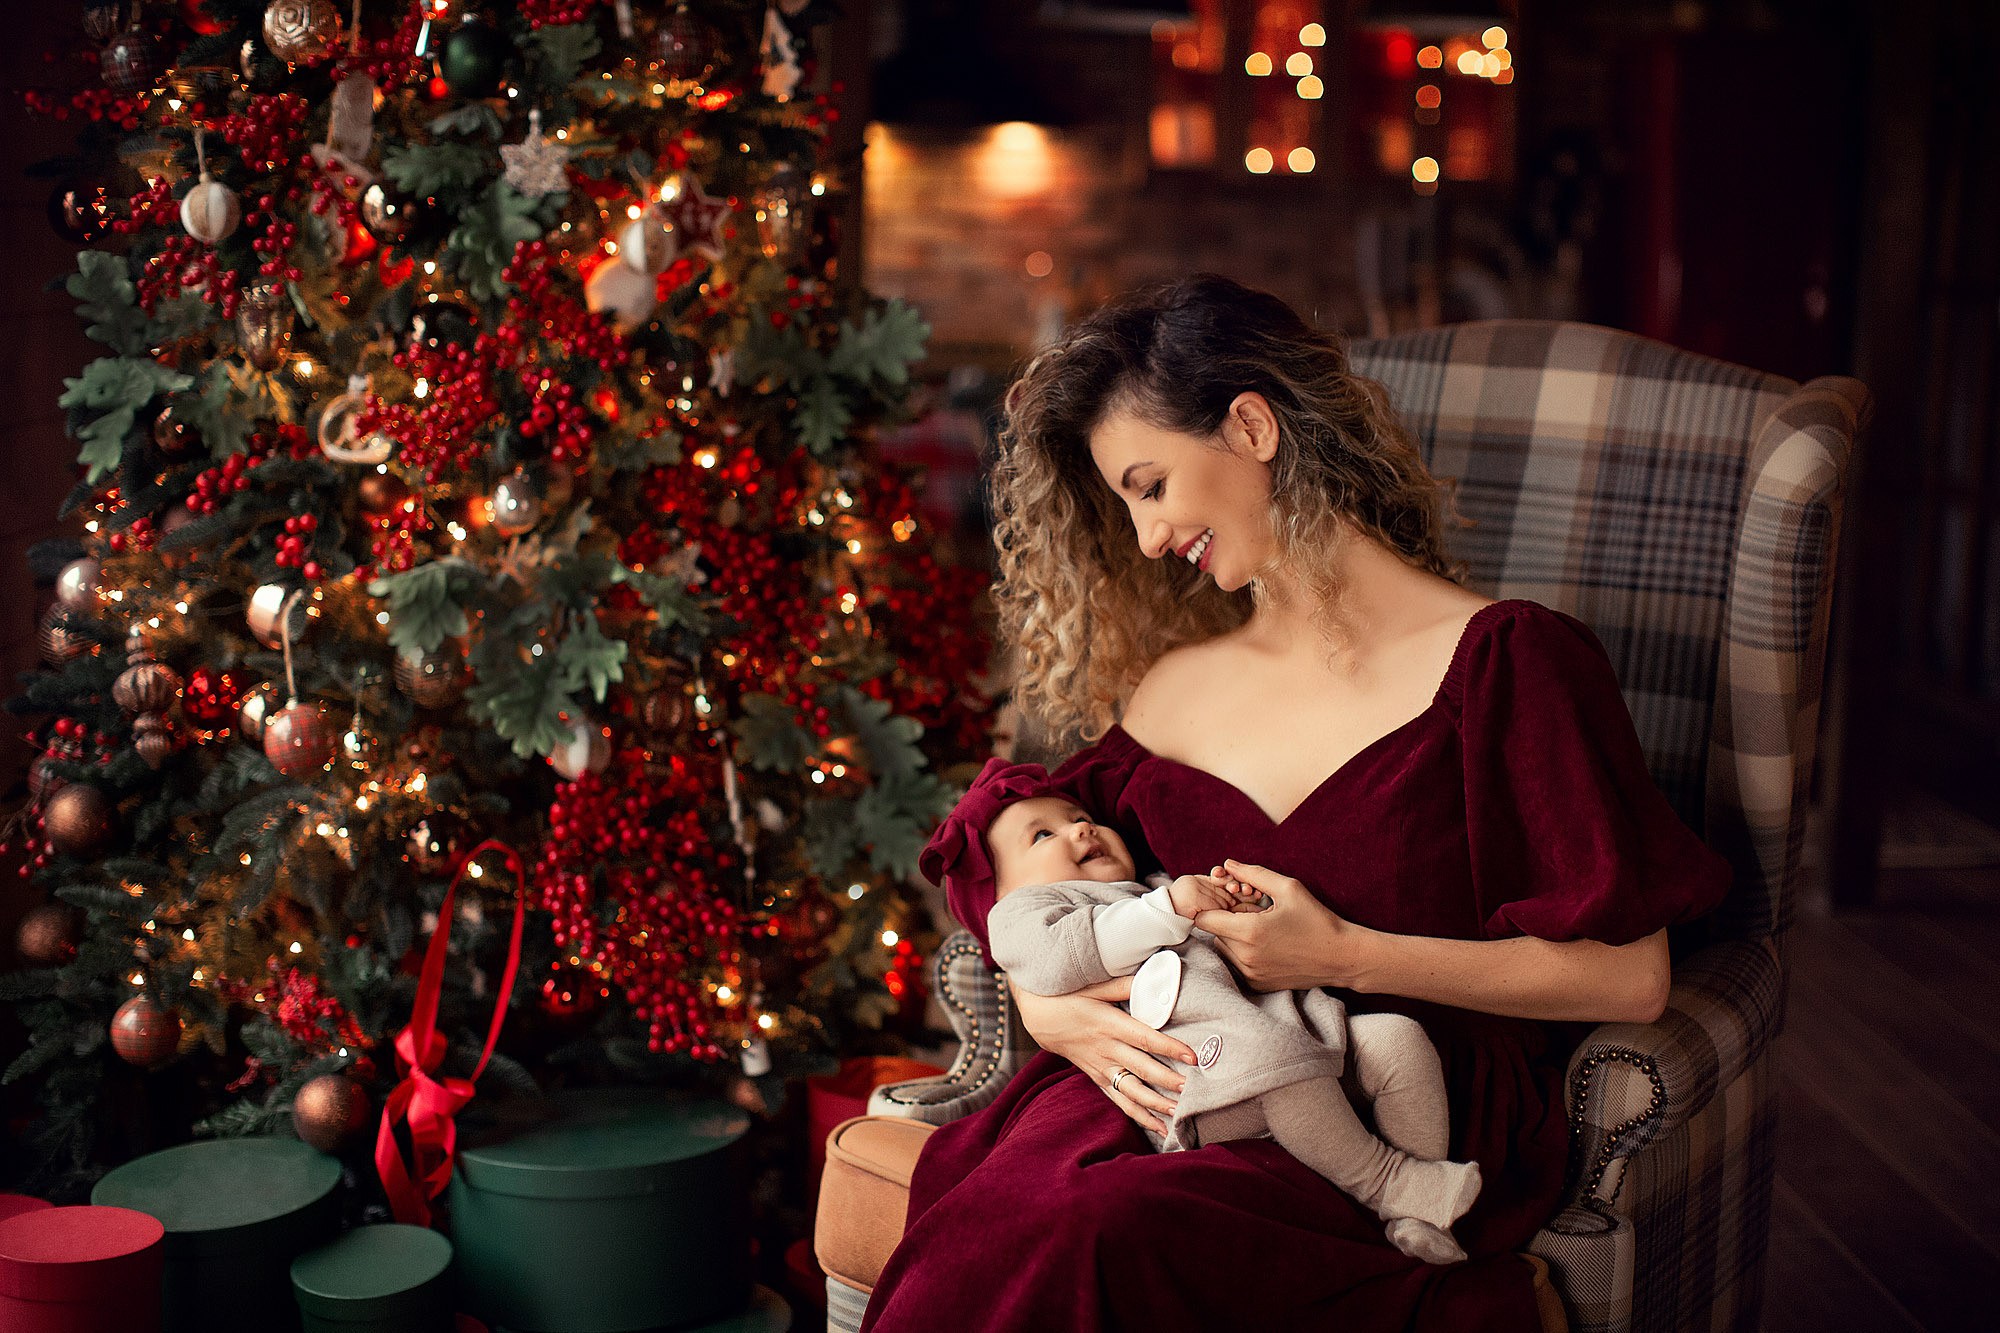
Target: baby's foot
1433 1192
1421 1240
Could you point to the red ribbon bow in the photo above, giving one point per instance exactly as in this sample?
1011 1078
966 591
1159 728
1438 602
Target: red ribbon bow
427 1103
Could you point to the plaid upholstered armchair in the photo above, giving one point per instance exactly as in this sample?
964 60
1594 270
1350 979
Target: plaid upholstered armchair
1687 510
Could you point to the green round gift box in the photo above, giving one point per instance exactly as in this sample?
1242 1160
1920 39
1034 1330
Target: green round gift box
237 1212
621 1211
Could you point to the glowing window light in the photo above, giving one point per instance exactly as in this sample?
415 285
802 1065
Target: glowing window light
1258 161
1430 58
1424 170
1258 65
1468 62
1429 96
1040 264
1301 160
1312 35
1495 38
1489 65
1311 89
1298 63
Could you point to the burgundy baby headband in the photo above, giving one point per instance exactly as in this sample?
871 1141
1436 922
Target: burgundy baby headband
956 856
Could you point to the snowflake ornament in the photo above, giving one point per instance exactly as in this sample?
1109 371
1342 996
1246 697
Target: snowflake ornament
781 60
722 370
536 166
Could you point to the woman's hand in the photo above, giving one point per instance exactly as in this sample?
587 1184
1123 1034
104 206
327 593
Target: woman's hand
1088 1029
1294 944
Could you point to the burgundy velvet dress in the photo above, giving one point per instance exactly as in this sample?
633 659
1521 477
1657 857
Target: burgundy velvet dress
1517 803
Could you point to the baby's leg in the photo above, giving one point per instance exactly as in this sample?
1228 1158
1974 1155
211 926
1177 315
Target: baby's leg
1314 1122
1397 1070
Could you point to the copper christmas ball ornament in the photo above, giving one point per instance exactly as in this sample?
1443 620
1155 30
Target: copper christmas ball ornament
665 710
330 1112
146 686
255 710
131 61
264 324
79 820
173 436
78 585
301 31
269 620
517 504
153 738
144 1034
59 639
48 934
436 680
301 739
210 211
381 492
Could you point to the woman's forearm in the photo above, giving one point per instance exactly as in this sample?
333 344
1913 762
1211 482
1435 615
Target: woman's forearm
1573 981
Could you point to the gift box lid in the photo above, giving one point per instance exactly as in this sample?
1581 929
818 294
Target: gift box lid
221 1196
601 1143
75 1255
12 1204
371 1272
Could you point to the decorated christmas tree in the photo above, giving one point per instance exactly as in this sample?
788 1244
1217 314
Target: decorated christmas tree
478 489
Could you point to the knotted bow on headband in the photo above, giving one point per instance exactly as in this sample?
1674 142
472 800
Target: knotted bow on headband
422 1100
956 856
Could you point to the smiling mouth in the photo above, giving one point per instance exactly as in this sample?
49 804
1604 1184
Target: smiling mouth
1196 553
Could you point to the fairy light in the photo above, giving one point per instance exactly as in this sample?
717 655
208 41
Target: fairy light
188 934
724 994
853 546
765 1021
889 938
296 947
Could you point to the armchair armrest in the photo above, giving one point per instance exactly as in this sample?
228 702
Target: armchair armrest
1632 1084
993 1044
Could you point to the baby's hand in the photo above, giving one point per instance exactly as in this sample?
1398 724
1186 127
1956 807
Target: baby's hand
1194 894
1244 898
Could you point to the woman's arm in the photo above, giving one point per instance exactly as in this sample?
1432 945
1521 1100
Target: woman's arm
1090 1031
1299 942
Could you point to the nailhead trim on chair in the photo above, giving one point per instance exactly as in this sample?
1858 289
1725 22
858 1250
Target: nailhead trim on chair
961 945
1580 1120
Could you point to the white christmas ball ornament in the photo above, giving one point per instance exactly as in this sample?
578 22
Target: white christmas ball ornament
587 750
648 243
623 293
211 210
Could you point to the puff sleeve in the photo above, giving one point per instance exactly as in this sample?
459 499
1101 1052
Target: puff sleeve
1098 778
1569 836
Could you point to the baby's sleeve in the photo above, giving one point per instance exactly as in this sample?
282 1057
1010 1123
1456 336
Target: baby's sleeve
1051 941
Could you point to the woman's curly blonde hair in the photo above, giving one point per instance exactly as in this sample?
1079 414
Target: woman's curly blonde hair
1087 612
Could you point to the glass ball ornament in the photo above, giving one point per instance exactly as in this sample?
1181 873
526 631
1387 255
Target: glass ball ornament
301 31
435 680
144 1034
268 619
338 437
300 739
210 211
683 47
48 934
131 61
388 215
254 709
264 324
58 637
517 504
359 745
79 585
80 211
586 749
381 492
474 60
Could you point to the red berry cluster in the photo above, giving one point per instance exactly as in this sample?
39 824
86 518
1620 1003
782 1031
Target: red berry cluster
315 1019
395 545
183 264
154 206
541 13
445 433
124 110
391 61
71 737
139 537
546 325
267 133
216 484
280 234
211 695
294 543
631 877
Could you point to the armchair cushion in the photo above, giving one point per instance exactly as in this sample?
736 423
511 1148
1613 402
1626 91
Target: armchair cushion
1633 1084
865 1195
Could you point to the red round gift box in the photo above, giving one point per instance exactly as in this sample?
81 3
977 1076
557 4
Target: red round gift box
80 1270
11 1204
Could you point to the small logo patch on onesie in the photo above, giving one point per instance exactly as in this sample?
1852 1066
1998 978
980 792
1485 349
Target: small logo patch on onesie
1210 1052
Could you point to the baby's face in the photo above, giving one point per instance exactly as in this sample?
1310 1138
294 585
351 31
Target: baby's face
1045 839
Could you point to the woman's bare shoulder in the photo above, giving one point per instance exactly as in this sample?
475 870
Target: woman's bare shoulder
1173 684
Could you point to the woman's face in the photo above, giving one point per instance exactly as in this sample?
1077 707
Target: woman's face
1191 500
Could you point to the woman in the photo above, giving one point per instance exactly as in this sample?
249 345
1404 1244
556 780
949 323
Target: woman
1204 518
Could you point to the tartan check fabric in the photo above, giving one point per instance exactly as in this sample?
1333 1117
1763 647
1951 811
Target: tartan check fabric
992 1042
1687 510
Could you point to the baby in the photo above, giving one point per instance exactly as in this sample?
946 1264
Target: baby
1063 911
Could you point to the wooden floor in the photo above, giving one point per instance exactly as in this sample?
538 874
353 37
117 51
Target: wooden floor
1887 1207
